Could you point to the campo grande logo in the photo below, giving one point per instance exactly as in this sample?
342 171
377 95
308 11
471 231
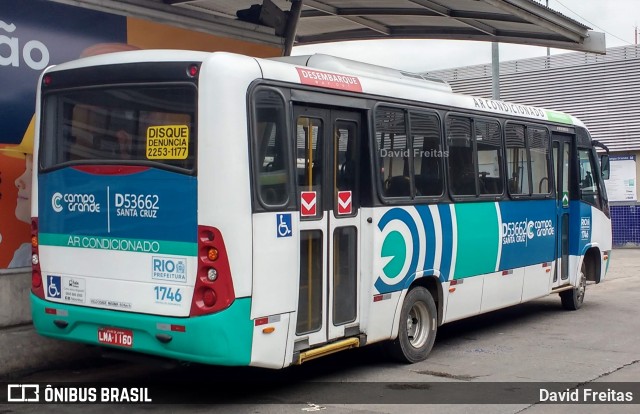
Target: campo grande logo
55 202
82 203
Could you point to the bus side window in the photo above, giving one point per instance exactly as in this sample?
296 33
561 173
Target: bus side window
393 152
462 175
270 149
309 133
538 139
517 161
588 188
346 157
427 154
489 146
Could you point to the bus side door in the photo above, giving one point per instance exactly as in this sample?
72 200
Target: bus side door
328 179
562 162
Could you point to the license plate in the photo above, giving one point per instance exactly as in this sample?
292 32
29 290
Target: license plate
115 336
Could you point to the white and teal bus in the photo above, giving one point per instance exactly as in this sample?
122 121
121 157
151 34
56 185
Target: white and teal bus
228 210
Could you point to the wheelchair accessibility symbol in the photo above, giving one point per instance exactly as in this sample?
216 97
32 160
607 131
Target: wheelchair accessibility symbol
283 225
54 287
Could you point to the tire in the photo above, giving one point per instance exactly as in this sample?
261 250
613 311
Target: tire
574 298
418 327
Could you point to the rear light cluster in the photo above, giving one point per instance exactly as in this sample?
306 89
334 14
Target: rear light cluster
213 290
36 275
193 70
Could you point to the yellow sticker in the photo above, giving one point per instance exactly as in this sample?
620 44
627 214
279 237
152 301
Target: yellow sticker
168 142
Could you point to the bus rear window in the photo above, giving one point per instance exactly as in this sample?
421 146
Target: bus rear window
120 125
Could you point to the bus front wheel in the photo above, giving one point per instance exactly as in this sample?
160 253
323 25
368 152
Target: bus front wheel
574 298
418 327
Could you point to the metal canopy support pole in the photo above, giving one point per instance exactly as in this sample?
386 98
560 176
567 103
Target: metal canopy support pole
495 70
292 24
548 48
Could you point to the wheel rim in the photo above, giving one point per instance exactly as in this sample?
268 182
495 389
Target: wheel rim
582 287
418 325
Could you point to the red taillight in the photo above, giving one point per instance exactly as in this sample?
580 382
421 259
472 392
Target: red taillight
209 297
46 80
36 279
213 291
36 276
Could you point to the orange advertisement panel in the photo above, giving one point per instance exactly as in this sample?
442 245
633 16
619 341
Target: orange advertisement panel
15 212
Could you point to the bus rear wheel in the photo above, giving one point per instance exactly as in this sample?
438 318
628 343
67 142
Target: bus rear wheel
574 298
418 327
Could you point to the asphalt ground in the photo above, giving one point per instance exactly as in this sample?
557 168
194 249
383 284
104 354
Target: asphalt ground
537 344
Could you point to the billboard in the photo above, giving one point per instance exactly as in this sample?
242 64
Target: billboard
621 185
35 34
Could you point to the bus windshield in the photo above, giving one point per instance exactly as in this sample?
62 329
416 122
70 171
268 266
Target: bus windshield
120 125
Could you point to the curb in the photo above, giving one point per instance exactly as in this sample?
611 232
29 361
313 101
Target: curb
23 350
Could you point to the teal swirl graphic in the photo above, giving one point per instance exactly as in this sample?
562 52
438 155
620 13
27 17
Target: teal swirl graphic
397 246
394 251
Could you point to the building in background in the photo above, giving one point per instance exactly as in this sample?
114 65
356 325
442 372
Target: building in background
603 91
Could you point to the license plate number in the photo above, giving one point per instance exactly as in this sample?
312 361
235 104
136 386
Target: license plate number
115 336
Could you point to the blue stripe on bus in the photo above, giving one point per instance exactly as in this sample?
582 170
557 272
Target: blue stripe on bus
580 227
430 236
528 233
447 241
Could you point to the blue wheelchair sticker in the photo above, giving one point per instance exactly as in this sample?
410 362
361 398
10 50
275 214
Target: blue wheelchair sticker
54 287
283 225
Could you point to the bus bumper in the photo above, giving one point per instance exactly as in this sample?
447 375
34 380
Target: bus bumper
222 338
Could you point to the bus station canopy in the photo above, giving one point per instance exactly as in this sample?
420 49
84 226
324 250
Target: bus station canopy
285 23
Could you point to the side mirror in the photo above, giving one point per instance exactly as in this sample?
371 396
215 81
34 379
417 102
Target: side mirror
605 166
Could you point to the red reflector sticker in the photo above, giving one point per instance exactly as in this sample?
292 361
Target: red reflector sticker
262 321
115 336
178 328
53 311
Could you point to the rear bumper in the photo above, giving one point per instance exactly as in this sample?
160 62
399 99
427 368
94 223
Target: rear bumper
222 338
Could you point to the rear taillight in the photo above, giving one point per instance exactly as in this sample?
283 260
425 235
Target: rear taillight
36 275
213 290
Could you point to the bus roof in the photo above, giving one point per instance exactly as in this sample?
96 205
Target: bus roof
341 74
134 56
382 81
